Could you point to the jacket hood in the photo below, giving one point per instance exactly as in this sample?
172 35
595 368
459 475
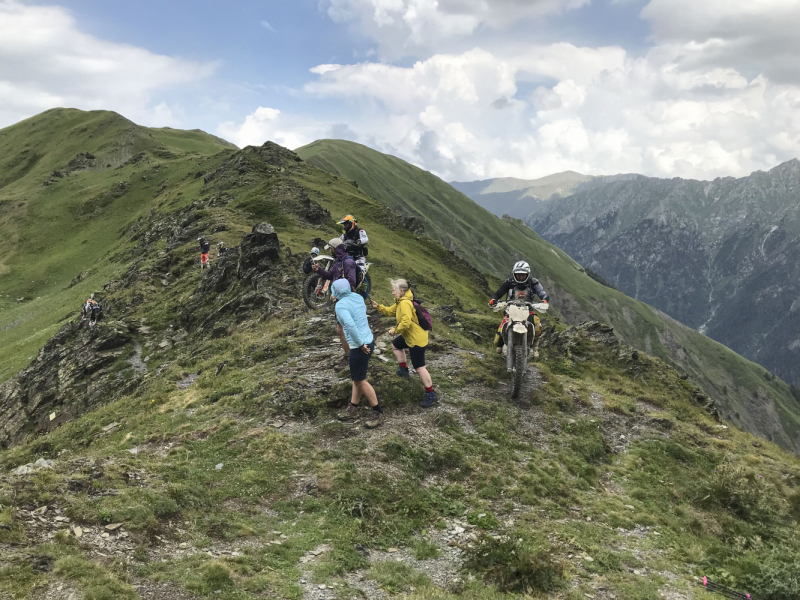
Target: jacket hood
340 252
409 295
340 288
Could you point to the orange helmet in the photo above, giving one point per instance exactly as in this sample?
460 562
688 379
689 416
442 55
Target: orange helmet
348 219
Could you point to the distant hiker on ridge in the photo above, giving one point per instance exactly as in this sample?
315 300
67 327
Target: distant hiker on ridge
222 249
351 313
91 310
344 267
205 248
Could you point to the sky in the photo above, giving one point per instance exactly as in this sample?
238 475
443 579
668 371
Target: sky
467 89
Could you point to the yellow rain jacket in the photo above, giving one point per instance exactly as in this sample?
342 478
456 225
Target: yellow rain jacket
407 321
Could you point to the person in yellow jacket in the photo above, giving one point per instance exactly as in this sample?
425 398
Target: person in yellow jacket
410 336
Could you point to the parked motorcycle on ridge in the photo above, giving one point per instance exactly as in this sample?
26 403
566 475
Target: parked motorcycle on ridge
317 291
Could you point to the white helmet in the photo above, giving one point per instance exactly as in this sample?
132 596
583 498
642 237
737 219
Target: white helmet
521 268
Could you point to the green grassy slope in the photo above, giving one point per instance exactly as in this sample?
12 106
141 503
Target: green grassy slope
54 233
223 473
746 392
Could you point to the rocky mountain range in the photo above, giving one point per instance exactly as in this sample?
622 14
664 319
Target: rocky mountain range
721 256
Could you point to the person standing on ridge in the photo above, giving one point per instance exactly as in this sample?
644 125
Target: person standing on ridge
205 248
409 336
351 313
355 240
344 267
222 249
520 286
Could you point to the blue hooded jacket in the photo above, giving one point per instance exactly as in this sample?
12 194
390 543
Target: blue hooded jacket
351 314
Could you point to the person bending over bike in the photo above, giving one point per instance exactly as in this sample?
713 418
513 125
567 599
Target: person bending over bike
355 240
91 310
344 267
520 286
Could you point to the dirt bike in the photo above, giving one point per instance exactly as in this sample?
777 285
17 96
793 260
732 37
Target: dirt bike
518 336
317 291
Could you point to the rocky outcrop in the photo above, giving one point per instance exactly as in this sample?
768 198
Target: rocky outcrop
70 375
258 252
264 159
595 340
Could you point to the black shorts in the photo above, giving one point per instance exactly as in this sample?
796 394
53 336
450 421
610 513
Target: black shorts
359 362
417 352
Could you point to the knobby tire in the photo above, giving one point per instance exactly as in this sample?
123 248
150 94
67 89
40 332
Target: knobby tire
310 298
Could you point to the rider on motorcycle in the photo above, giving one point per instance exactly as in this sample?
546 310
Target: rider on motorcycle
355 241
520 286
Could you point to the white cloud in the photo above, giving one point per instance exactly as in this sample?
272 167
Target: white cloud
46 61
460 116
403 27
717 93
267 26
742 34
270 124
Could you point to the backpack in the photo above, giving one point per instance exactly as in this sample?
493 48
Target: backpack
423 316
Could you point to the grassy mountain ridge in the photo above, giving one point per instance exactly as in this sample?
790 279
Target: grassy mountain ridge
202 459
61 212
745 392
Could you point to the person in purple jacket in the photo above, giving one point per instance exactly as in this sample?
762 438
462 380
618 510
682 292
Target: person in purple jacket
344 267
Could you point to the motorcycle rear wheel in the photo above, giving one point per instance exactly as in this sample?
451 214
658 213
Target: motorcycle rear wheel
313 300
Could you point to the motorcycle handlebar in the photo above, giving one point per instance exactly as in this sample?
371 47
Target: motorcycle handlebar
539 306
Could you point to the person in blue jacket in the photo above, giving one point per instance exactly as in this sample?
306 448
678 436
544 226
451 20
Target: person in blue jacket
351 313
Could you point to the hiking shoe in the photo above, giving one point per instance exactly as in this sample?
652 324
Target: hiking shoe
375 420
348 414
430 399
403 372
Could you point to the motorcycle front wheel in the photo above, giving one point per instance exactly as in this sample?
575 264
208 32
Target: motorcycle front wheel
520 369
313 300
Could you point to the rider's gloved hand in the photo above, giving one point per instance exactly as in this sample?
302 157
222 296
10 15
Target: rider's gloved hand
546 301
492 302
